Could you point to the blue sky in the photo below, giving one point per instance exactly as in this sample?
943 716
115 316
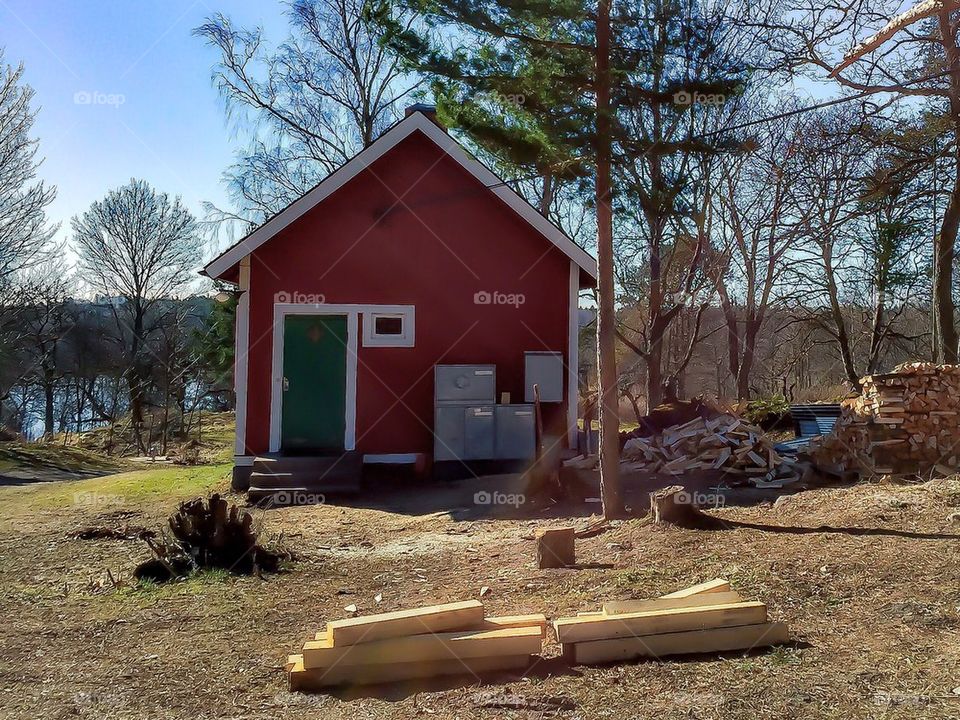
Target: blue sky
124 90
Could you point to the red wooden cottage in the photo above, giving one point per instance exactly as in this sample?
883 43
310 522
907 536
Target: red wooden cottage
410 256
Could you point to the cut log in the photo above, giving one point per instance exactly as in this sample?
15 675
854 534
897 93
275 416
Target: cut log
743 637
619 607
555 547
437 618
302 679
426 648
582 629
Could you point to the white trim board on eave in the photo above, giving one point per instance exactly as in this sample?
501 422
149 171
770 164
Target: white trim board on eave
414 122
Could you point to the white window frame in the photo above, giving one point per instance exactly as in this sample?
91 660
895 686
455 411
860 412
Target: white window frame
405 339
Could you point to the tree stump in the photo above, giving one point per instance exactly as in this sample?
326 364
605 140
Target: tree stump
674 506
555 548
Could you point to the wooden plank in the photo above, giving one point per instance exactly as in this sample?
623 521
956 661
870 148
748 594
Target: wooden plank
711 586
435 618
743 637
581 629
517 621
491 623
303 679
617 607
426 648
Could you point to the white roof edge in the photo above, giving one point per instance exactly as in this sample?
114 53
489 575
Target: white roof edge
366 157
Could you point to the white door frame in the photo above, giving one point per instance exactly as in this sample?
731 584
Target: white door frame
280 312
352 313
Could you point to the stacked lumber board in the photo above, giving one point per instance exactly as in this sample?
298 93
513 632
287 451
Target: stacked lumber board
903 422
705 618
727 444
451 639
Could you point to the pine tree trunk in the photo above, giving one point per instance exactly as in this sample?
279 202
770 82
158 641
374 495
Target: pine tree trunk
546 200
944 331
606 319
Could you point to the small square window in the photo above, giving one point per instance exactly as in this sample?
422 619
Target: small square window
388 326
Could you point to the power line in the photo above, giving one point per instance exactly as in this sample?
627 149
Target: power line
772 118
818 106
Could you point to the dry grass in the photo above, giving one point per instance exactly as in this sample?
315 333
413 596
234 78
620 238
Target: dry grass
875 615
212 432
16 455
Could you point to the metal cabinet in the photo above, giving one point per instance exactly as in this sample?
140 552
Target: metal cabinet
479 434
469 425
544 369
449 442
515 432
464 396
465 384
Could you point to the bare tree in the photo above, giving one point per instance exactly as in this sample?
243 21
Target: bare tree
137 246
324 94
917 57
44 323
757 228
24 230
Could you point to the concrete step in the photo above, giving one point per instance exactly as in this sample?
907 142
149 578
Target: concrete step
305 479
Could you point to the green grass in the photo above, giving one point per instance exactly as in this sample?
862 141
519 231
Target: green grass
152 485
196 583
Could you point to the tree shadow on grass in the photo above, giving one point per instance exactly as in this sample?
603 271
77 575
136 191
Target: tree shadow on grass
802 530
540 669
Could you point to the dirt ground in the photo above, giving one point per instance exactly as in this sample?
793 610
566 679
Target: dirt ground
867 577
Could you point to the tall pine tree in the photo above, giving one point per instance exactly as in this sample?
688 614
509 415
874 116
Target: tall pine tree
561 87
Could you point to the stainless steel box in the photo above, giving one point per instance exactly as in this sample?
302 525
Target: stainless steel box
515 432
546 370
479 435
465 383
449 442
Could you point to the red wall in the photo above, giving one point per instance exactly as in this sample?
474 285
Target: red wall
446 239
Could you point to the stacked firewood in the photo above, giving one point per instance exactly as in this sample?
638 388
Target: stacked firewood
904 422
726 443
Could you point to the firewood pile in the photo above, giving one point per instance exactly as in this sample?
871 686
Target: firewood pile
726 443
903 422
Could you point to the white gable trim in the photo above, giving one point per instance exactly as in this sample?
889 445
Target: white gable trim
415 122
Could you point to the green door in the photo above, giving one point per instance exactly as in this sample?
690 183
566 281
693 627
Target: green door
314 383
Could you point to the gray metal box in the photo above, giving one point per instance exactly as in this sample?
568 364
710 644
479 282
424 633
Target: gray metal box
515 432
465 383
449 430
546 370
479 434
